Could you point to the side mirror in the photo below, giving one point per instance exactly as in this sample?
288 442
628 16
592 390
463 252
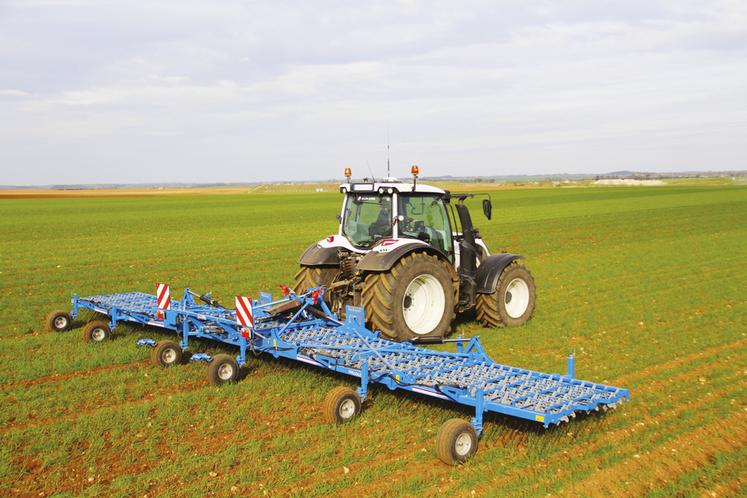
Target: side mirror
339 217
487 208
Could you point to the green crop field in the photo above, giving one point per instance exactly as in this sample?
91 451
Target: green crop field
648 286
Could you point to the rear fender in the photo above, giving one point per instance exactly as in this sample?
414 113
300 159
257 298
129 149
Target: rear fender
383 258
490 270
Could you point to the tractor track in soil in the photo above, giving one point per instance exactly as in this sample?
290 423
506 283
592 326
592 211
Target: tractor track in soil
310 482
622 444
612 296
60 377
620 438
704 354
78 412
722 434
150 395
217 442
733 487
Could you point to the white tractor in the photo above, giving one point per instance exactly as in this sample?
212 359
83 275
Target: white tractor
409 254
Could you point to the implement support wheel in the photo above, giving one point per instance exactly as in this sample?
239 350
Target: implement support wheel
341 405
96 331
166 354
59 321
223 370
456 441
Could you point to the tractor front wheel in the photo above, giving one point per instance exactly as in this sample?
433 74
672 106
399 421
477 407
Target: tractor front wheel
512 302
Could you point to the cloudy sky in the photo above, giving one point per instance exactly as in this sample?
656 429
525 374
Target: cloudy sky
181 90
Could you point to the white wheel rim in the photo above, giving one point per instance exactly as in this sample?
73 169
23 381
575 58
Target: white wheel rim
168 355
463 444
225 371
516 298
423 304
98 334
347 409
60 322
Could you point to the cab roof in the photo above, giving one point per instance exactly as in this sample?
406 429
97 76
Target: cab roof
375 187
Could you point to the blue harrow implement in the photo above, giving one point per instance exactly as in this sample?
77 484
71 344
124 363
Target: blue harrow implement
302 328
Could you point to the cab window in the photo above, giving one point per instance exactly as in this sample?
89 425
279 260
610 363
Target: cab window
368 218
425 218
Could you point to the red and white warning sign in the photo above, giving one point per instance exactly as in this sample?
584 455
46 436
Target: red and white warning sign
163 296
244 311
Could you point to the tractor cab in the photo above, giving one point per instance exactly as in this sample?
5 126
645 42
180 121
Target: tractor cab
375 212
409 254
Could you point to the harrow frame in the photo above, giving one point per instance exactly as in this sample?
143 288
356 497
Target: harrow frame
310 333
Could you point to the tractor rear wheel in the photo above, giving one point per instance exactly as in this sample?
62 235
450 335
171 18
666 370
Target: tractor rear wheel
415 299
512 302
309 277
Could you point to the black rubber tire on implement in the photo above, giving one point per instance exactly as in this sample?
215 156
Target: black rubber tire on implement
166 354
341 405
384 294
59 321
309 277
96 331
491 308
456 441
223 369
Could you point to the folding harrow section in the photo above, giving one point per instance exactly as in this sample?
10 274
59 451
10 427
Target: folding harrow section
302 328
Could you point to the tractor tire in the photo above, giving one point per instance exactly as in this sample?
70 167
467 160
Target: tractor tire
309 277
59 321
456 441
512 302
415 299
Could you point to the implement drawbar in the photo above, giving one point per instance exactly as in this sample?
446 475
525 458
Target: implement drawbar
302 328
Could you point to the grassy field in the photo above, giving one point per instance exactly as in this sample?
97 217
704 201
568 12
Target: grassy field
647 285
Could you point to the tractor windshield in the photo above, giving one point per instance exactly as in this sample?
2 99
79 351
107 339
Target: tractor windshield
368 218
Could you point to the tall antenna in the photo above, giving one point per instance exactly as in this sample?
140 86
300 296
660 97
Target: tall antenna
388 172
373 178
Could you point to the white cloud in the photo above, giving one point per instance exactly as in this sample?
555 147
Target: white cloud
233 91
